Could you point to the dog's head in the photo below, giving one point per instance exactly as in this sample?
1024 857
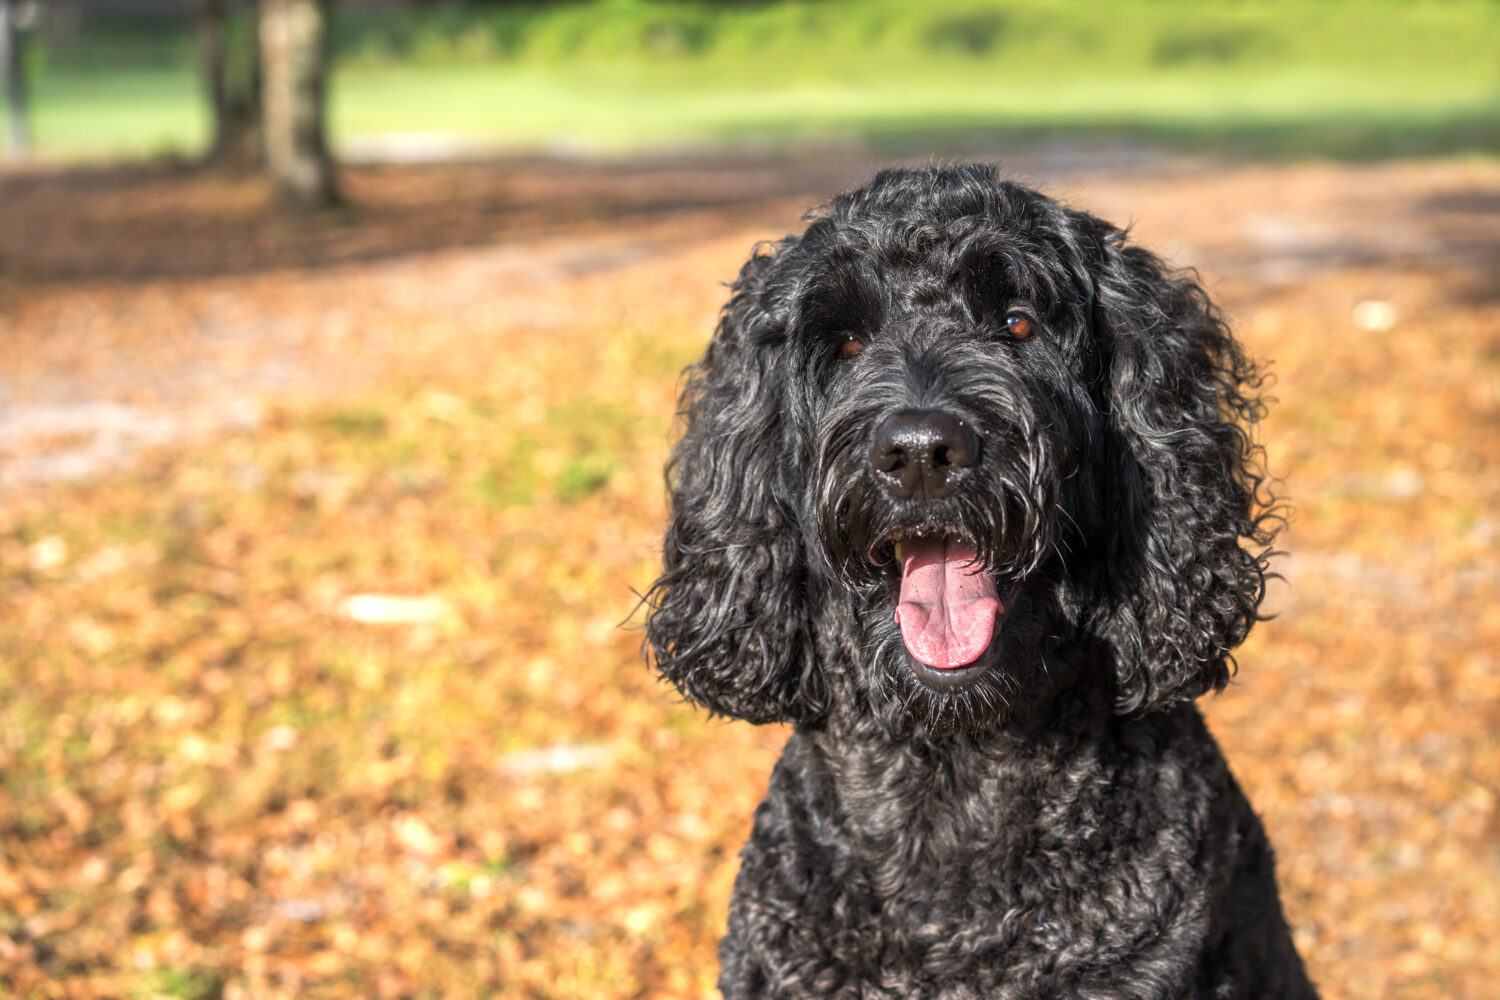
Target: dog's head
951 449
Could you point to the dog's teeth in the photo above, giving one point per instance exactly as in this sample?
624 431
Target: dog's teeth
898 552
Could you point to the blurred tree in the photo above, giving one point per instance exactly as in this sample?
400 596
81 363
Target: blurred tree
18 135
293 65
229 54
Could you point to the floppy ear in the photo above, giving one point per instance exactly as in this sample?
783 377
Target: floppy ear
729 621
1185 495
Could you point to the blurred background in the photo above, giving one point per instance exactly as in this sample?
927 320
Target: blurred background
339 350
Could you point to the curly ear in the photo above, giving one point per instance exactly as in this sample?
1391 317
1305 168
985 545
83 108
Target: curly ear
729 621
1180 395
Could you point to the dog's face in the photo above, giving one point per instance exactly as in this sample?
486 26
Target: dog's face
948 375
951 446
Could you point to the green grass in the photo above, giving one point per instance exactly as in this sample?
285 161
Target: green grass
622 111
623 75
118 113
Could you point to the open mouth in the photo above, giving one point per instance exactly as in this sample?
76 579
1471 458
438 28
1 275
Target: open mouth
948 607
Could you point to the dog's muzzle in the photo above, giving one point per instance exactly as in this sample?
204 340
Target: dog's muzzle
948 606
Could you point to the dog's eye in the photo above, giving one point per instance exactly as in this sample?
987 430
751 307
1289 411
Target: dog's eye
1018 326
850 346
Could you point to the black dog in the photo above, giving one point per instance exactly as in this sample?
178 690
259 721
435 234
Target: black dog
966 495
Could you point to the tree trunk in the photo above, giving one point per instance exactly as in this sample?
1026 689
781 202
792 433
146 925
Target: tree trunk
229 54
18 134
293 45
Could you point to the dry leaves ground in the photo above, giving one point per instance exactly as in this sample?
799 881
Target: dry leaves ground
224 434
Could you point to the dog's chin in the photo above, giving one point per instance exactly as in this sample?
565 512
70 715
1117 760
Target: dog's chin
938 702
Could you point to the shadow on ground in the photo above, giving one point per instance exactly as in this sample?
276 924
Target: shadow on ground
173 219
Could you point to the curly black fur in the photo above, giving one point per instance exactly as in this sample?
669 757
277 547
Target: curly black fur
1064 825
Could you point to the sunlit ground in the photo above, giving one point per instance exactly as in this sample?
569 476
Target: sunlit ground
224 775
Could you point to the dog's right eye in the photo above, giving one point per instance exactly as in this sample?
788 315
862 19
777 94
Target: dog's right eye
850 347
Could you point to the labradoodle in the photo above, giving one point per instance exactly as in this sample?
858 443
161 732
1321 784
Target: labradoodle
966 495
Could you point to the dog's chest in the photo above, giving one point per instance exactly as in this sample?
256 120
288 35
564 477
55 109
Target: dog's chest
893 876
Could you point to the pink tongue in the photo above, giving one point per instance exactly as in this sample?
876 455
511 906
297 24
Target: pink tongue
948 603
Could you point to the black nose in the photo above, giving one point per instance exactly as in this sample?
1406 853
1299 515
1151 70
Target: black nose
923 454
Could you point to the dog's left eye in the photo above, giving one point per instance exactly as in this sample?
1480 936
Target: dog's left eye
850 347
1018 326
